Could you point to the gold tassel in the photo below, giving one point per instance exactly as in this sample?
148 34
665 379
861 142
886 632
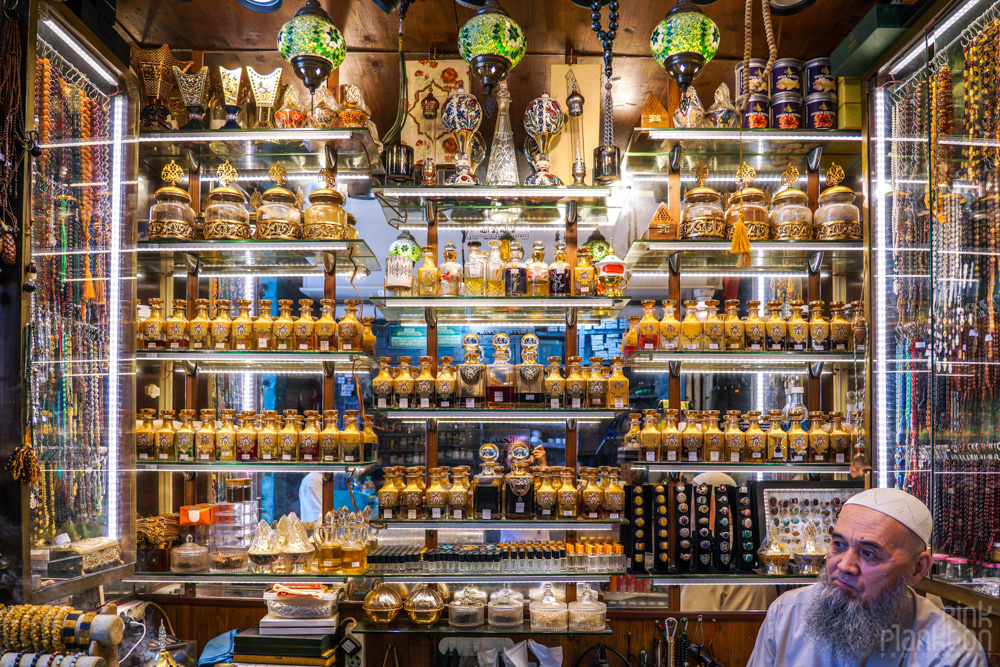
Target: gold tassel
741 242
88 283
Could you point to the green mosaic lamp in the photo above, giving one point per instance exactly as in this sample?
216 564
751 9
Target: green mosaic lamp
684 42
493 43
311 44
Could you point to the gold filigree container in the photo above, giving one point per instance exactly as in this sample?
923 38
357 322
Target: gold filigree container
226 216
774 555
836 217
325 218
172 217
751 202
702 217
278 217
791 218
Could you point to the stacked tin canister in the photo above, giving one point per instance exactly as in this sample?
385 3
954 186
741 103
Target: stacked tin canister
796 95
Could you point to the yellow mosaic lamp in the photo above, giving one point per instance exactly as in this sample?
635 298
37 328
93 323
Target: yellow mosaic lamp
265 89
278 216
226 216
171 216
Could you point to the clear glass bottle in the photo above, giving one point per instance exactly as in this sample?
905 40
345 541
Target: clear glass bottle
529 376
145 441
756 439
515 272
734 438
459 494
691 328
776 327
840 439
618 386
325 328
163 437
555 385
714 442
670 327
354 551
649 327
351 440
486 486
204 438
451 277
176 331
225 438
840 328
424 384
692 441
284 333
242 326
597 385
649 438
475 271
263 326
436 496
329 550
268 448
154 325
819 439
798 439
584 281
560 275
382 385
777 439
755 327
246 438
735 331
404 385
427 274
670 437
309 438
518 489
714 329
500 375
329 438
798 329
445 384
222 326
494 271
538 271
350 329
200 326
567 496
819 328
184 437
576 388
288 439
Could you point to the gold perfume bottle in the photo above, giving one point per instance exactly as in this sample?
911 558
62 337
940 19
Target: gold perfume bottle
776 327
756 439
246 438
459 493
424 384
555 385
798 439
756 330
471 376
382 385
221 325
411 499
268 447
576 388
734 438
819 439
263 326
200 326
184 437
225 438
518 488
691 328
777 439
714 328
163 438
538 271
712 437
798 329
369 443
583 275
303 327
329 438
618 387
529 376
177 327
325 328
649 327
436 496
427 274
614 496
403 386
445 384
633 440
545 495
670 437
154 325
840 439
349 329
309 438
351 440
388 495
819 328
204 437
145 442
368 340
840 328
597 385
284 327
630 341
670 327
592 497
734 327
567 496
649 438
242 326
691 437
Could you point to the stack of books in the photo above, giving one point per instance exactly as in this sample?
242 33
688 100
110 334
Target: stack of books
309 642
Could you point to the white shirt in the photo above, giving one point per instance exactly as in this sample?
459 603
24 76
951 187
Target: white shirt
311 497
929 638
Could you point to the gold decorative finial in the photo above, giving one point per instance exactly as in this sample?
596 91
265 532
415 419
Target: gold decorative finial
834 175
226 173
255 200
790 176
701 174
172 173
745 175
328 177
278 174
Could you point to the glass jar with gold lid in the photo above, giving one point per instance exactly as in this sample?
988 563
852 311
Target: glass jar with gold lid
702 217
836 217
226 216
750 202
278 216
325 219
791 218
172 217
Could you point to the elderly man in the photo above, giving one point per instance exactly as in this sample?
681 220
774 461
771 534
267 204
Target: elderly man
863 611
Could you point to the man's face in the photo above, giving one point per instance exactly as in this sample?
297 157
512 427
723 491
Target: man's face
870 551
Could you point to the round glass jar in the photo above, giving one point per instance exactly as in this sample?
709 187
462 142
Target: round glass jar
836 217
424 605
755 216
791 218
278 217
702 217
466 612
226 216
382 605
548 614
506 612
588 613
325 217
189 557
172 217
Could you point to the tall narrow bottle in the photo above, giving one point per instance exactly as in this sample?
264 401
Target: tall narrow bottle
309 438
691 438
670 437
246 438
382 385
445 384
618 387
649 327
756 439
713 327
184 437
756 329
518 491
486 486
329 438
567 496
164 437
734 437
691 328
225 438
427 274
451 277
471 379
575 384
153 326
712 437
819 328
597 385
560 275
176 331
515 272
819 439
204 438
529 376
349 329
424 384
840 439
325 328
555 385
200 326
584 280
798 329
288 439
538 271
630 341
776 327
777 439
859 326
649 438
475 271
500 375
268 448
145 447
242 326
494 271
404 385
351 439
735 329
840 328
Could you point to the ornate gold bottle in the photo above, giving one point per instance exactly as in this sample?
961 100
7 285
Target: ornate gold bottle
576 388
756 439
458 494
221 325
184 437
567 498
714 328
177 327
691 437
734 438
618 388
303 327
840 439
349 329
225 437
268 448
329 438
545 495
518 489
388 495
633 439
819 439
529 376
597 385
712 437
436 496
445 384
164 437
382 385
427 274
614 497
351 440
154 325
288 440
756 329
263 326
424 384
583 275
670 327
555 385
404 385
776 327
819 328
798 439
592 497
649 438
200 326
691 328
670 437
411 500
777 439
242 326
798 329
368 340
284 333
840 328
246 438
471 376
309 438
735 329
325 327
649 327
145 442
204 437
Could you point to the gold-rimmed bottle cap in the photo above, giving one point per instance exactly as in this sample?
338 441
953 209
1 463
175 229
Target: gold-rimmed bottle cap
172 173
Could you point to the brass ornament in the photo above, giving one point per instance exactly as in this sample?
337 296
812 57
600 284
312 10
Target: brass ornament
278 174
172 173
745 175
226 173
231 80
701 174
662 220
328 177
834 175
255 199
790 176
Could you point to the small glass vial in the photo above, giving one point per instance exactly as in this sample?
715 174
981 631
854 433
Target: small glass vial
734 438
713 439
840 328
153 326
475 271
450 276
494 271
538 271
222 326
692 328
145 447
756 439
225 438
242 326
648 334
325 327
777 439
382 385
555 385
200 326
404 385
350 329
445 384
819 439
798 329
618 386
303 328
329 438
798 439
351 440
670 327
309 438
246 438
576 388
819 328
176 331
776 327
649 438
427 274
204 438
560 275
424 384
263 326
670 437
583 275
691 437
163 437
735 331
268 446
713 327
756 329
284 328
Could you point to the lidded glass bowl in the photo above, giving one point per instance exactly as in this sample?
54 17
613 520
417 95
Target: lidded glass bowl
326 219
505 611
278 217
466 610
702 217
755 216
508 591
382 605
189 557
836 217
171 216
226 216
473 592
537 593
548 614
588 613
791 218
424 605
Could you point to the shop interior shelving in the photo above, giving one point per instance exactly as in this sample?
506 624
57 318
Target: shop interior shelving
404 626
540 311
505 524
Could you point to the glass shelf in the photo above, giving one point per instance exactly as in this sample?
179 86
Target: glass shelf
507 311
243 578
266 362
736 578
502 207
260 258
262 466
503 524
499 415
738 361
403 625
253 150
494 577
765 468
769 259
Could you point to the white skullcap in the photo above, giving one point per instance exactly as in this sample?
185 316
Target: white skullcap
899 505
714 479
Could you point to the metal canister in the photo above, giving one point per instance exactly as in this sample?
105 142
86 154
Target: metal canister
786 111
786 77
818 78
757 115
821 111
758 83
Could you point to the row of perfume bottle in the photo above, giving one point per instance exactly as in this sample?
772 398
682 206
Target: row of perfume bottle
337 545
263 437
212 328
546 493
749 438
584 555
705 329
500 273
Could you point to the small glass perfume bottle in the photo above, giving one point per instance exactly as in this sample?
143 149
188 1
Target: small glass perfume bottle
618 387
382 385
840 328
670 327
649 438
734 437
246 438
819 328
471 375
184 437
177 327
268 448
713 328
351 440
284 335
349 329
451 276
436 496
734 327
560 275
368 340
222 326
163 437
630 341
459 494
755 327
575 384
304 327
632 440
777 439
755 438
204 437
325 327
515 272
692 441
840 439
475 271
424 384
819 439
494 271
200 326
712 437
529 376
538 271
584 280
691 328
670 437
153 326
329 438
798 328
427 274
445 383
263 326
225 438
776 327
649 327
555 385
309 438
500 375
597 385
403 386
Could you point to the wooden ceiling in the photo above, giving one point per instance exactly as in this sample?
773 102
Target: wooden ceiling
230 34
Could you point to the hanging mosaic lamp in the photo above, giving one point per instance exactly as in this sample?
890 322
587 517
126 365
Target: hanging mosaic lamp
598 246
493 43
405 245
312 45
684 42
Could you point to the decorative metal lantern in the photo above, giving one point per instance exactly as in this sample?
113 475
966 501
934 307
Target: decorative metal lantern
684 42
265 94
154 68
311 44
193 88
493 43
